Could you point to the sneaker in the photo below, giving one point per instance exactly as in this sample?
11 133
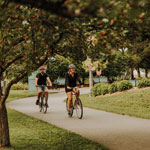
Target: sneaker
37 102
69 111
46 104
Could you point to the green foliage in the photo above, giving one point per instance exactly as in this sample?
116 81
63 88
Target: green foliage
20 86
105 89
100 89
116 65
57 67
143 83
96 90
113 87
124 85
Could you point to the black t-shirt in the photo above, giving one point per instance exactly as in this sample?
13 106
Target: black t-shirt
41 78
71 81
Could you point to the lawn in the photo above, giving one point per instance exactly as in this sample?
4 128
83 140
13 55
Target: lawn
17 94
28 133
136 103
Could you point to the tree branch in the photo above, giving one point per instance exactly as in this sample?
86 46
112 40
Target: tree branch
9 63
5 4
4 67
53 7
17 41
9 85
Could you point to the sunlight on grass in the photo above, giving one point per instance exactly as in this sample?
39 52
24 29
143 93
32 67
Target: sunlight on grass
136 103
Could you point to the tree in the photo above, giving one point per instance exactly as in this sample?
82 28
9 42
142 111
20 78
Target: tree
116 66
31 31
28 36
57 67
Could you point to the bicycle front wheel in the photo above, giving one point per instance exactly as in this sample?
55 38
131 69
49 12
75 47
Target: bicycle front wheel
41 104
44 106
79 108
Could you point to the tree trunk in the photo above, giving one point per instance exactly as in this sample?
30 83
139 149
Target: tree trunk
132 74
138 72
110 80
146 73
4 129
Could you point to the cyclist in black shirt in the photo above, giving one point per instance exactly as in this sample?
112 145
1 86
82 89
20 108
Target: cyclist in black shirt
71 79
41 79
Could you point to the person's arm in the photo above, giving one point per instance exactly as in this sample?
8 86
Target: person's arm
36 81
49 81
67 81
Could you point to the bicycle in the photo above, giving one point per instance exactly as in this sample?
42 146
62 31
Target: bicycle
76 104
42 101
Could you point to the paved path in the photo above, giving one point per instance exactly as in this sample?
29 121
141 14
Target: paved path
114 131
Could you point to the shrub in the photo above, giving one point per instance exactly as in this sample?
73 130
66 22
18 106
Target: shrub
124 85
100 89
143 83
96 89
113 88
105 89
19 86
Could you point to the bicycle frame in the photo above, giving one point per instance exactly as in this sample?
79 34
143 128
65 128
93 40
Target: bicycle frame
42 99
75 102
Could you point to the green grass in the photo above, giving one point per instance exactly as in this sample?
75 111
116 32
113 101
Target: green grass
136 103
28 133
17 94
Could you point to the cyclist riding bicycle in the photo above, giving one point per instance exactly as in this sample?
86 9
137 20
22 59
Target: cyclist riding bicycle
71 79
41 79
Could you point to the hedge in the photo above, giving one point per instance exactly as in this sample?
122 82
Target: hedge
104 88
124 85
113 88
143 83
19 86
100 89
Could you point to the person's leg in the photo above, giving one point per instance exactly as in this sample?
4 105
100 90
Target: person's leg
46 95
39 95
69 95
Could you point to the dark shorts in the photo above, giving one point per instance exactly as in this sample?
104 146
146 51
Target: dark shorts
68 90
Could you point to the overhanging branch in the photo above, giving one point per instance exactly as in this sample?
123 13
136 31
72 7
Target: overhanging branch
53 7
10 62
9 85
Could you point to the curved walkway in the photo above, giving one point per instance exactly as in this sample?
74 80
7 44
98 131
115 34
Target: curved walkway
112 130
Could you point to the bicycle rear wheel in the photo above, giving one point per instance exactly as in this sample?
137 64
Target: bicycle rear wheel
71 109
79 108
